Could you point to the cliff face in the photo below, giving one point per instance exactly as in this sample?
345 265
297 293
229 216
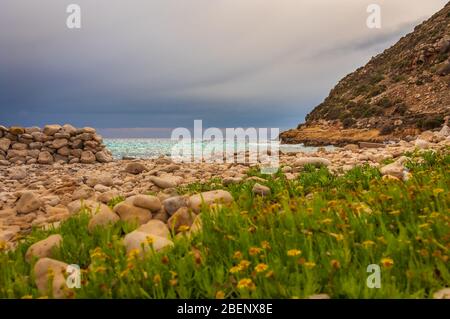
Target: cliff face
400 92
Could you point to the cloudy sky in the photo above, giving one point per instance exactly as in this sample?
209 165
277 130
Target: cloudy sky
164 63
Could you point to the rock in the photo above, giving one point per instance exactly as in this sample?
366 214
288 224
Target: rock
87 157
371 145
131 213
182 217
90 205
69 129
28 202
351 147
60 142
103 157
395 169
101 188
161 215
4 144
262 190
422 144
445 131
316 161
50 130
155 227
172 204
102 219
45 158
43 248
108 196
83 192
442 294
15 130
135 168
17 173
165 182
4 163
44 270
147 201
208 198
231 180
143 242
103 179
19 146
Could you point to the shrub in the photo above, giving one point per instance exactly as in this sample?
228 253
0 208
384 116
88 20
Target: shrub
431 123
387 129
348 122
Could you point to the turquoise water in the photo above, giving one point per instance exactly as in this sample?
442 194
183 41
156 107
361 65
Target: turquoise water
155 147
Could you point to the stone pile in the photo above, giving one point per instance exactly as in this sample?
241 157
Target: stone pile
52 144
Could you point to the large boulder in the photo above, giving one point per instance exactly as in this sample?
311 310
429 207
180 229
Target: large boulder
148 202
133 214
395 169
28 202
155 227
135 168
143 242
87 157
45 158
262 190
182 217
49 271
208 198
172 204
103 219
43 248
4 144
50 130
103 157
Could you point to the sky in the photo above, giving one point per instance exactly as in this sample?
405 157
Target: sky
153 65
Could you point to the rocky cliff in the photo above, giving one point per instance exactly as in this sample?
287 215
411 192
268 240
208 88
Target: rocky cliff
53 143
399 93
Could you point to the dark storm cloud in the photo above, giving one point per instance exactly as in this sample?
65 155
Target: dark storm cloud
164 63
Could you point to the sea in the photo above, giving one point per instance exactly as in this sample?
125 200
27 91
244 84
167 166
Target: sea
157 147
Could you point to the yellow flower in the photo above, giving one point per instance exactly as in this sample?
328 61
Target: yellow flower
294 252
437 191
100 269
265 244
237 255
244 264
368 243
123 273
261 267
133 254
387 262
235 269
327 221
98 253
220 295
254 251
149 240
27 297
335 264
424 226
3 245
338 237
156 279
310 264
394 213
183 228
246 283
